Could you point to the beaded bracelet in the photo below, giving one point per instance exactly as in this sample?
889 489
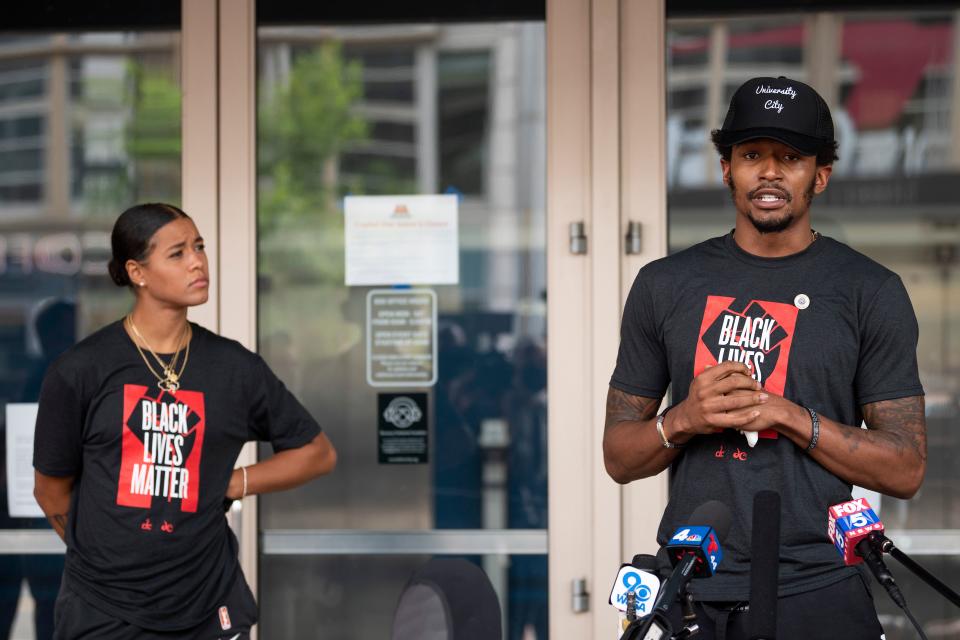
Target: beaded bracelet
815 420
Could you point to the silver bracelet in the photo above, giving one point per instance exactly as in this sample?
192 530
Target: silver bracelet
666 443
244 495
815 420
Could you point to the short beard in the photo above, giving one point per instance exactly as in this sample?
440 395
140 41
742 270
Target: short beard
779 224
772 226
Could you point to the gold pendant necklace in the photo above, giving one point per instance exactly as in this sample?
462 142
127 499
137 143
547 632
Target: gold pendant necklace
170 380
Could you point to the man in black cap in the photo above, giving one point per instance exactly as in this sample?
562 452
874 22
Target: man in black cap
778 343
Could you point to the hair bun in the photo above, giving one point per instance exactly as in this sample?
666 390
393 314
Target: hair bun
118 274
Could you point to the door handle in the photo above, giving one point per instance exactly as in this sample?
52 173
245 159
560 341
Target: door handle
581 597
634 244
578 238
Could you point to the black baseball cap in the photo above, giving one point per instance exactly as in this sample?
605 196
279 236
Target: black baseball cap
782 109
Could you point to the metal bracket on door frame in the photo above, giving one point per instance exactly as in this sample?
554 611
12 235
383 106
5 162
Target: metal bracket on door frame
578 238
634 244
580 602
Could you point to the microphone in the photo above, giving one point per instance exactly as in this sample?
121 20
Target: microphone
882 545
851 526
764 566
698 543
848 524
694 550
873 559
635 590
639 578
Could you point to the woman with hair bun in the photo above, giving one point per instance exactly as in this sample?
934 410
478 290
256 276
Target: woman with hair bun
138 431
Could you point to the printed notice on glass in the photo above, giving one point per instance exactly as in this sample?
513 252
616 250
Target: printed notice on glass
401 338
21 419
398 240
402 428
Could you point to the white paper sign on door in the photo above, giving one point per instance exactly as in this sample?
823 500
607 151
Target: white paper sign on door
21 420
391 240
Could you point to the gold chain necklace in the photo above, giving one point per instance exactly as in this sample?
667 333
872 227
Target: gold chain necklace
167 368
170 380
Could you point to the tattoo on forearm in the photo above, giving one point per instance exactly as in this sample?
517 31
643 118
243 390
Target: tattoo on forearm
623 407
899 424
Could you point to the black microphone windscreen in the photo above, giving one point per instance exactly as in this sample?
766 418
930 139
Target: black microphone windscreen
712 514
764 565
646 562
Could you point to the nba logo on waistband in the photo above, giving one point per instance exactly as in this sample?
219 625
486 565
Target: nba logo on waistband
224 618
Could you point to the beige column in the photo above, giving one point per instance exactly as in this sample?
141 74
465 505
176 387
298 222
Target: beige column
199 170
644 193
568 315
238 171
606 232
955 95
716 105
238 214
824 33
57 161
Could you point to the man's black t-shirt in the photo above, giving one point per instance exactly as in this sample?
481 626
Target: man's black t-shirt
827 328
147 540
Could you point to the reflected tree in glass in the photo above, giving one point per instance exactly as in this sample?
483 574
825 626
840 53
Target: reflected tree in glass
153 138
143 154
305 122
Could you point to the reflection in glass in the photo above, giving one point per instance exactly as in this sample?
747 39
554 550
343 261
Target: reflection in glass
89 123
891 88
409 109
345 597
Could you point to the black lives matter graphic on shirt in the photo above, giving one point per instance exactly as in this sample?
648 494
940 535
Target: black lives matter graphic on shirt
162 446
755 332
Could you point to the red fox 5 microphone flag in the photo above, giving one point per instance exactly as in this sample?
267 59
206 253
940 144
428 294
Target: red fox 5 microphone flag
849 523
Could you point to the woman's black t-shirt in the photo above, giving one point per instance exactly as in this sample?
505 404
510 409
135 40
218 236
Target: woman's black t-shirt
147 540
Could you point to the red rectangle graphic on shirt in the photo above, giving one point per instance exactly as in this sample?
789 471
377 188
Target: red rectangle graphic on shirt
162 444
758 333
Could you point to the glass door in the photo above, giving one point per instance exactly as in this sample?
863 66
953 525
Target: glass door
896 107
401 294
89 122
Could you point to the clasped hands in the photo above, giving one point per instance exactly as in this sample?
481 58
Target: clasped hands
725 396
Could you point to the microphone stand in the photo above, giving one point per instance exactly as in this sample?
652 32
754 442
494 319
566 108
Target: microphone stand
885 545
656 625
689 617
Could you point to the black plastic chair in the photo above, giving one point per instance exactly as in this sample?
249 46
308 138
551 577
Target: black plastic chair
448 599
